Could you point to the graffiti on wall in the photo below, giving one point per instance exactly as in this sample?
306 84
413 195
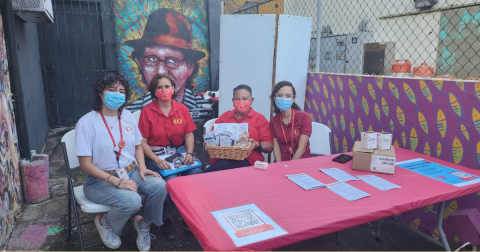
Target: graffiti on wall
438 118
10 192
457 54
164 37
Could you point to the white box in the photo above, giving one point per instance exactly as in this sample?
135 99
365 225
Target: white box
384 140
369 140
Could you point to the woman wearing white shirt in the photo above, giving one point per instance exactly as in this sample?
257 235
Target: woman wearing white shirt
107 144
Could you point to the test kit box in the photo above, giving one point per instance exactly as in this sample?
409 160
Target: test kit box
369 140
373 160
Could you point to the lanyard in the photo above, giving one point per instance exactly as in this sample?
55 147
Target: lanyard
290 149
121 144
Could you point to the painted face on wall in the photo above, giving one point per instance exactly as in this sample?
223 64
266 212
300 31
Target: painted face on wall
161 59
166 47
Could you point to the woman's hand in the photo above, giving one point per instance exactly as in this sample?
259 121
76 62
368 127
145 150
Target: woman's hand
162 164
188 159
254 145
128 185
144 171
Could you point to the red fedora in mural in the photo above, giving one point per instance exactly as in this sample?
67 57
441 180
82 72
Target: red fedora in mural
170 28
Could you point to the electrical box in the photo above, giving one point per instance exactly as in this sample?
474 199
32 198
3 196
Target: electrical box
343 53
378 58
34 11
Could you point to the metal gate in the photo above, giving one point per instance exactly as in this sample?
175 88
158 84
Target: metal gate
75 51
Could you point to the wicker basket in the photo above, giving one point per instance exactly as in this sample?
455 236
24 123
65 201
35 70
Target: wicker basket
228 152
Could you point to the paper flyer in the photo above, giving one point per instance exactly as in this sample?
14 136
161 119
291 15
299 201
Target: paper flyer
305 181
235 128
338 174
347 191
247 224
377 182
439 172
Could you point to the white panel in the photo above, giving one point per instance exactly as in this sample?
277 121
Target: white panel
293 45
246 57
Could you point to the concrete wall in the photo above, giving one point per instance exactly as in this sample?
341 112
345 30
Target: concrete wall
10 191
32 83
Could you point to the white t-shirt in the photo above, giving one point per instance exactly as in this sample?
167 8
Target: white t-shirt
93 139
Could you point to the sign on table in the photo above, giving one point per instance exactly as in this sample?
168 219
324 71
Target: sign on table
439 172
247 224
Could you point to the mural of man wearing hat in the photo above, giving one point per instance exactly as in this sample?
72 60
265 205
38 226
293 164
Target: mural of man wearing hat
166 48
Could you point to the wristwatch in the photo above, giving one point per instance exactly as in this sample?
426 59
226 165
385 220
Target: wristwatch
259 147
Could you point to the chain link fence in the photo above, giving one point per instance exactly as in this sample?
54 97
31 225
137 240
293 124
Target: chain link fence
418 38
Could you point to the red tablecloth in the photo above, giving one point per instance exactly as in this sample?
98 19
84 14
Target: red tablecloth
303 214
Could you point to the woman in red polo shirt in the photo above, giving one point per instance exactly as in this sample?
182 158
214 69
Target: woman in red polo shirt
291 127
258 129
166 123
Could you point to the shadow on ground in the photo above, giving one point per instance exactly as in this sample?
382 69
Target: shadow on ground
43 226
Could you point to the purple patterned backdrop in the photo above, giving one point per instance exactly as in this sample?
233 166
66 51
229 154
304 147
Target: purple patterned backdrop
439 118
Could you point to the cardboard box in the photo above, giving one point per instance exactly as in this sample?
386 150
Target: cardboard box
373 160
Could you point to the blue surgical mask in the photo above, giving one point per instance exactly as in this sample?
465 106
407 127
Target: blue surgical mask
114 100
283 103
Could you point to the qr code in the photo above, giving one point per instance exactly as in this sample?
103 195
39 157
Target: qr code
244 219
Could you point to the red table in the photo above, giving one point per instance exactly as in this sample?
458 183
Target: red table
304 214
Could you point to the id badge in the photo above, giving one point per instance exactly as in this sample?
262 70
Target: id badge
171 150
122 173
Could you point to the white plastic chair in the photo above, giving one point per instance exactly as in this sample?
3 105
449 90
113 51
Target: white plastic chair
320 140
136 114
207 128
81 201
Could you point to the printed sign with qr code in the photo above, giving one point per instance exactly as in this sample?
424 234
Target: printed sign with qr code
247 223
243 219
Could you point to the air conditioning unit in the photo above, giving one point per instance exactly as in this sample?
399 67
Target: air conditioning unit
34 11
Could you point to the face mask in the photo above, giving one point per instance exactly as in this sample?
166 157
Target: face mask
241 106
164 95
283 103
114 100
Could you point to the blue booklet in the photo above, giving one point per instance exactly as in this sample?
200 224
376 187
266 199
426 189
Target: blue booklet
174 169
439 172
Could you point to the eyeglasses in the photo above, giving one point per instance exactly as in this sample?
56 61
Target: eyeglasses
279 95
170 62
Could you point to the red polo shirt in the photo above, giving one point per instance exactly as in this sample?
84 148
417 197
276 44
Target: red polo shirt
258 130
154 125
302 126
